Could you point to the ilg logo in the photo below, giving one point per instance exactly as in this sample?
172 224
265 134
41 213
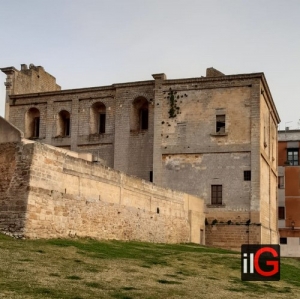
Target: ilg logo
260 262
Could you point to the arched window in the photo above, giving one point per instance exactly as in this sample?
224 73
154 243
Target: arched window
32 123
139 114
63 124
97 118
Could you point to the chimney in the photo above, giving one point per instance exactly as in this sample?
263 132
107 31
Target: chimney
24 67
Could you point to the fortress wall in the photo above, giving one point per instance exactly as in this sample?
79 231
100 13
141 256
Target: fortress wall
72 197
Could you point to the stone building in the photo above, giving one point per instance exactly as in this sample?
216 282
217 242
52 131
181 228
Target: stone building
214 137
289 192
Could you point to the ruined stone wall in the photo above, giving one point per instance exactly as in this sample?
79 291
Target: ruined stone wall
33 79
53 194
14 182
14 178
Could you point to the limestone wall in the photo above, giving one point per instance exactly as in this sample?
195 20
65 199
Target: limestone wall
47 192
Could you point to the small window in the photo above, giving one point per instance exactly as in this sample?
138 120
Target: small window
98 118
220 123
32 123
216 194
281 213
144 119
151 176
292 156
36 129
283 241
139 115
63 124
281 182
247 175
102 117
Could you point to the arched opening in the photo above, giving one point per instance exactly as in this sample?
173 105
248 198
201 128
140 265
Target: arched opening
98 118
32 123
63 124
139 114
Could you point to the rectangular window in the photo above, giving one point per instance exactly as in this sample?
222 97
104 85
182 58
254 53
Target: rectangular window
292 156
281 182
281 213
220 123
67 127
283 240
216 194
151 176
36 129
102 119
247 175
144 119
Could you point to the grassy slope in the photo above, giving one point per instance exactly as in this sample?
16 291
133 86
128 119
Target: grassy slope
82 269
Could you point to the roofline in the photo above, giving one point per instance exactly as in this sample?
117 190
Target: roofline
266 86
289 131
8 70
81 90
150 82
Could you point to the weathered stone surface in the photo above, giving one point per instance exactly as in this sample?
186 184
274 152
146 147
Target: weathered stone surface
181 148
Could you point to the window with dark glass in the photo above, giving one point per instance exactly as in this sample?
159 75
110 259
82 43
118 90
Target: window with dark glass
283 240
281 213
247 175
151 176
102 117
216 194
144 119
293 156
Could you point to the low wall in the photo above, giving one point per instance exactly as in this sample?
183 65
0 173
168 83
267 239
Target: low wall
231 229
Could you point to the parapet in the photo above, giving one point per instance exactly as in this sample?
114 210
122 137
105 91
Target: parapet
30 79
212 72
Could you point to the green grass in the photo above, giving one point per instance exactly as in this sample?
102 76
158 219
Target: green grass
85 268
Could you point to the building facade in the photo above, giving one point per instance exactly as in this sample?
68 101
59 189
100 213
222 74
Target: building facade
214 137
289 192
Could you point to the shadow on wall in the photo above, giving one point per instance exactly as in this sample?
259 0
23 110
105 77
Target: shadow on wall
14 180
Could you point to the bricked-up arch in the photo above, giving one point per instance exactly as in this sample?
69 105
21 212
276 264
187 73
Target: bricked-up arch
32 123
97 118
63 124
139 116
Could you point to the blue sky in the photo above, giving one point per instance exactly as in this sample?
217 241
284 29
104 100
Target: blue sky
97 42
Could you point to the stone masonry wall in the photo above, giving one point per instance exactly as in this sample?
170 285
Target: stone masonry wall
231 236
33 79
14 183
68 196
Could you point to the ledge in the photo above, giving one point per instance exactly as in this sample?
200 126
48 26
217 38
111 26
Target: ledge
61 140
219 134
216 206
